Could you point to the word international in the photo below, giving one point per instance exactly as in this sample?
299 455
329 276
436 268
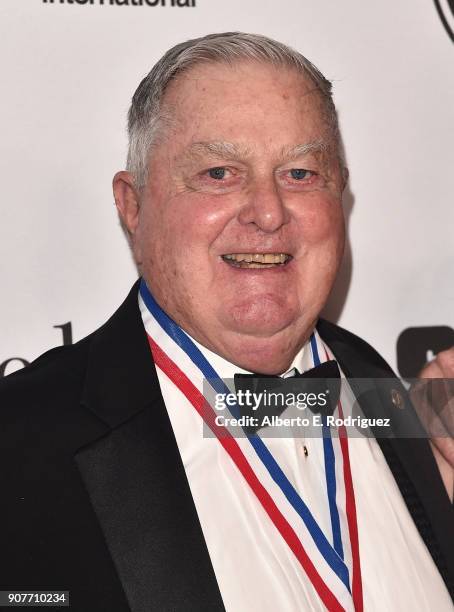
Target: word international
125 2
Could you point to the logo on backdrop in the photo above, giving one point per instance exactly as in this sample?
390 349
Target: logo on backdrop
418 345
445 10
179 3
12 364
415 347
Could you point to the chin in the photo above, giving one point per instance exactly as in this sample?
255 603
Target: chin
259 318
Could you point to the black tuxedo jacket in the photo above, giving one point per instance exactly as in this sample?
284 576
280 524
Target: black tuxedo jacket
94 494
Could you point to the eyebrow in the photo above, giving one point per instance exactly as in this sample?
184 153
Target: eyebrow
221 150
300 150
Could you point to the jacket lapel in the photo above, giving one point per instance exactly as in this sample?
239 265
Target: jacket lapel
137 483
410 458
136 480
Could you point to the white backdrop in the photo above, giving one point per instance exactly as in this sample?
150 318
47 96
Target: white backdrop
68 71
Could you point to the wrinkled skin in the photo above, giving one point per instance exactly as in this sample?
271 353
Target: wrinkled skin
263 198
188 216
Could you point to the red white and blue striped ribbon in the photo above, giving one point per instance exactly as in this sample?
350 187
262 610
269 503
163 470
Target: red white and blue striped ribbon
324 565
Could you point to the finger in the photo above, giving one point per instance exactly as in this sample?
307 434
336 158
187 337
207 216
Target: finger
431 370
440 367
445 362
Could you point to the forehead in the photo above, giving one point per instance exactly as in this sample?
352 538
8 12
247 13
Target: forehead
245 100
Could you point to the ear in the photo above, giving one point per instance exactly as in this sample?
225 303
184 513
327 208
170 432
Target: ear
126 201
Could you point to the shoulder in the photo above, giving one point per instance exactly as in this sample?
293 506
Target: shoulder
58 367
42 402
43 392
63 369
351 349
54 387
43 418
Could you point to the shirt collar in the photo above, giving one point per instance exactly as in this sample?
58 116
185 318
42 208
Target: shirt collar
226 369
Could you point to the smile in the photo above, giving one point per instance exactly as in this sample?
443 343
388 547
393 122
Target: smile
256 260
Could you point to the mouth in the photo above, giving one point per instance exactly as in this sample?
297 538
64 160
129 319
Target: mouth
257 260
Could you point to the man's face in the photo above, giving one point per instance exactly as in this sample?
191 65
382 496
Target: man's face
240 229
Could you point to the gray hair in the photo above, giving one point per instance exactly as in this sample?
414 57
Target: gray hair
145 114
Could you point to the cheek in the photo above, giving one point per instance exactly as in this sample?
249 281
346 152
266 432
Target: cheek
322 222
176 236
193 221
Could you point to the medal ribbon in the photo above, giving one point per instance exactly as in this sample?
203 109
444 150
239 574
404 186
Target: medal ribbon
330 553
351 511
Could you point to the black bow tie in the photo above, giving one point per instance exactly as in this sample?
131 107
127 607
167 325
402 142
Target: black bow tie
324 377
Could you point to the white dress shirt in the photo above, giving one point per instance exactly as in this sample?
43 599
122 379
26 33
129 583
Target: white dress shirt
254 567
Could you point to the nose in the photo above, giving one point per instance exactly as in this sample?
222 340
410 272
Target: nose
264 207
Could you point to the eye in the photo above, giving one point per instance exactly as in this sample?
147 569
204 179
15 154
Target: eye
299 174
217 173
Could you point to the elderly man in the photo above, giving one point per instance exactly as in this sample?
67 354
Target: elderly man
232 205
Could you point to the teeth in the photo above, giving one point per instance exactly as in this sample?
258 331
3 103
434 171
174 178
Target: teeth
258 258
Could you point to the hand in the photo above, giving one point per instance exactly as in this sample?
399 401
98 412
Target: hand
433 398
